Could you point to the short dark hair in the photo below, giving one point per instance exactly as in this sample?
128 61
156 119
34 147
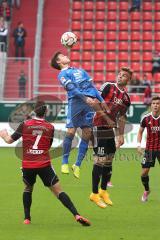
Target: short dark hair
54 59
40 108
127 69
155 98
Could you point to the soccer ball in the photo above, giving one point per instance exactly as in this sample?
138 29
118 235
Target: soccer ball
68 39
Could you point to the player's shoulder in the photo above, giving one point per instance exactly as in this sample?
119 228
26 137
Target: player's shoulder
106 85
145 116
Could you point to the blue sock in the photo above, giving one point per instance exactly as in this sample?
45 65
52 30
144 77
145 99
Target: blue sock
67 143
83 147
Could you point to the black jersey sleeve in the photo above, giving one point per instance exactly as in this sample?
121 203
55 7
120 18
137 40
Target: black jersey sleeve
18 133
105 89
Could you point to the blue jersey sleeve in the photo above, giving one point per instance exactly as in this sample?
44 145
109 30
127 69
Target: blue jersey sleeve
69 85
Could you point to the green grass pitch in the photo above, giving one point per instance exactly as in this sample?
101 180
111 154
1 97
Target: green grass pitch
127 219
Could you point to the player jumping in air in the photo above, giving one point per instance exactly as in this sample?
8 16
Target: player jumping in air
104 144
37 136
151 122
83 100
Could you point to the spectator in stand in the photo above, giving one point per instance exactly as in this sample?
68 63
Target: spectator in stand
136 4
22 84
155 63
3 37
147 95
135 81
15 3
19 35
5 11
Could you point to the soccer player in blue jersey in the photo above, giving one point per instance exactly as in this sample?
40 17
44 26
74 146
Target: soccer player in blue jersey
83 100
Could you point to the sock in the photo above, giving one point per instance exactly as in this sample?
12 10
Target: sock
83 147
96 174
66 201
106 176
27 201
145 182
67 143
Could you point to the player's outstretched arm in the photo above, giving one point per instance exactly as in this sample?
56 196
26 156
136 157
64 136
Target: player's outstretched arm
6 137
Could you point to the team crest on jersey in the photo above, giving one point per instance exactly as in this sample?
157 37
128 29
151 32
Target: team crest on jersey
63 79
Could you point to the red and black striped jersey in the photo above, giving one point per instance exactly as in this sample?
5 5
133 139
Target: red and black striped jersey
152 125
37 136
117 100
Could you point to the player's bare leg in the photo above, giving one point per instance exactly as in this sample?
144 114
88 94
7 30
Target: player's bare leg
66 201
145 182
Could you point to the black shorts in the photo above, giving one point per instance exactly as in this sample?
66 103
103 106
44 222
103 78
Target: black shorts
47 175
104 141
149 158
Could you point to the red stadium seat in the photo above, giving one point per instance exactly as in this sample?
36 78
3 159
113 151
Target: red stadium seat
75 56
123 46
122 64
76 15
157 6
112 15
111 45
88 25
157 78
77 5
111 66
135 35
147 56
98 66
147 36
75 64
99 25
157 36
157 16
135 98
135 56
157 45
157 25
157 88
88 15
87 35
99 35
99 45
123 35
111 56
135 45
99 77
147 26
135 16
88 5
76 25
123 15
100 15
135 66
99 56
87 55
123 25
123 5
147 16
112 25
87 66
112 5
123 56
87 45
147 46
111 35
110 77
147 66
135 25
100 5
147 6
